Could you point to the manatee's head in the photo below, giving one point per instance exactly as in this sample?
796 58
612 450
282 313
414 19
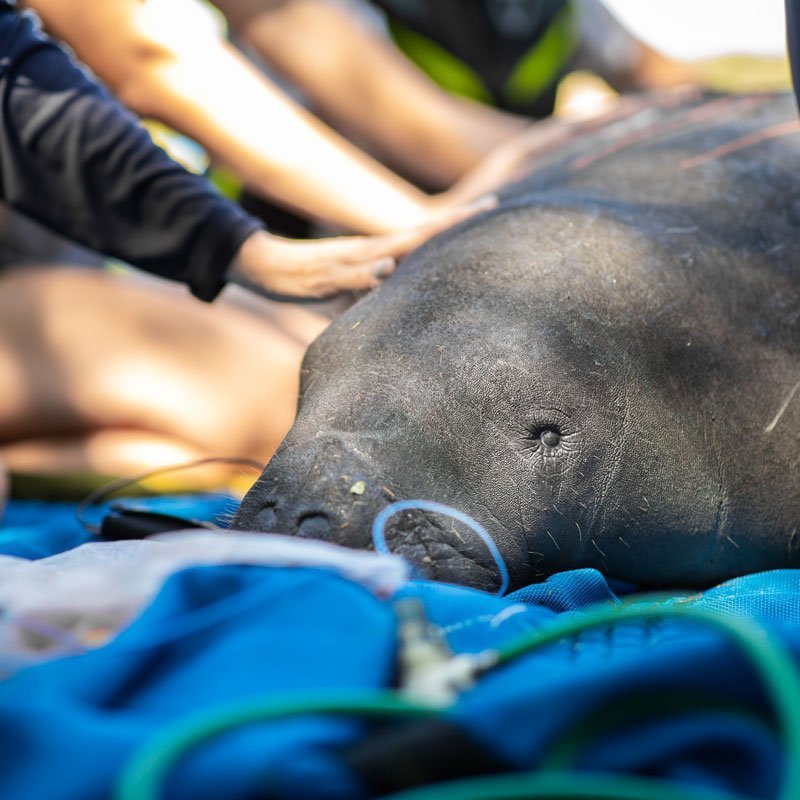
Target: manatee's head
511 369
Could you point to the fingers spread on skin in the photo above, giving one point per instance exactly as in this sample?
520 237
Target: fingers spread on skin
370 276
364 275
398 244
357 248
383 268
322 267
456 214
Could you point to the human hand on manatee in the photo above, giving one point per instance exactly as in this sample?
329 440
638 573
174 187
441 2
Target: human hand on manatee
512 160
508 162
322 267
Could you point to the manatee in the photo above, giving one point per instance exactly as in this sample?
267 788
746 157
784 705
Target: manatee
603 372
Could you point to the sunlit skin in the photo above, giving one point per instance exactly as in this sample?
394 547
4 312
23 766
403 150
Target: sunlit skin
108 376
323 267
361 83
189 78
170 67
203 87
112 375
104 375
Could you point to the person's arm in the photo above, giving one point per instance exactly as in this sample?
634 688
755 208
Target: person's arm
626 63
367 88
72 158
204 88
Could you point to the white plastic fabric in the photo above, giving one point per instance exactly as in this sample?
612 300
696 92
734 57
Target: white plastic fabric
81 598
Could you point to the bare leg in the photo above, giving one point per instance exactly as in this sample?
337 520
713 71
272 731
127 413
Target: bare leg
110 375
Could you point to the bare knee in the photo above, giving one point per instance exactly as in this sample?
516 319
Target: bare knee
89 352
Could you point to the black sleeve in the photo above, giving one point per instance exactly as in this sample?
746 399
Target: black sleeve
74 159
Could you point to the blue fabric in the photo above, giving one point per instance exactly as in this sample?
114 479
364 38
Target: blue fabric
81 717
522 710
682 702
36 529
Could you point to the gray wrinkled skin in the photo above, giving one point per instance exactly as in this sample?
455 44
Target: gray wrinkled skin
601 372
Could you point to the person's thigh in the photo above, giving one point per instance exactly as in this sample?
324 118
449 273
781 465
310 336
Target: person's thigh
85 353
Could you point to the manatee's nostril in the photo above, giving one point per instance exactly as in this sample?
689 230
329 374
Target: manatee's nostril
313 525
267 519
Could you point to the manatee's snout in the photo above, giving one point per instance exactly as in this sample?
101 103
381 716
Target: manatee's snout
330 491
322 490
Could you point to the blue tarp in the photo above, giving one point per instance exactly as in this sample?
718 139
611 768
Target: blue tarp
68 727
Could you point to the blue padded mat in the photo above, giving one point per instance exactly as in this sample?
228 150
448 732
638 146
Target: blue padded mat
69 726
36 529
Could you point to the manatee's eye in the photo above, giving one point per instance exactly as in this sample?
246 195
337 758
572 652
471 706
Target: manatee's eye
547 435
550 437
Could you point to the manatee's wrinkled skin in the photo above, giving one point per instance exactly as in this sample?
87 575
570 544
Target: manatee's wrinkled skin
601 372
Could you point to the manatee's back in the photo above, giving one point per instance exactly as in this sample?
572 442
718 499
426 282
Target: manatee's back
738 151
691 223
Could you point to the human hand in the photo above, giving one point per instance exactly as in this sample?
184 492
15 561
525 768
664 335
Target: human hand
509 161
513 159
322 267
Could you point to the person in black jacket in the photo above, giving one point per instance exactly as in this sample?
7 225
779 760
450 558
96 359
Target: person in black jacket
72 158
100 373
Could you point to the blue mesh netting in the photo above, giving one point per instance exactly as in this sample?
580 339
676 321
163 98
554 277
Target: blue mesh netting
69 726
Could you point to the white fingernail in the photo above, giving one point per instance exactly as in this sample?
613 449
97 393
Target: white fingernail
484 203
383 268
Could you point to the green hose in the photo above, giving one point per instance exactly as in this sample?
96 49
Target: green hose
767 654
561 786
144 775
570 745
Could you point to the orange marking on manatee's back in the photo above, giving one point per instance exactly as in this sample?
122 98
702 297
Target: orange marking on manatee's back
756 137
709 110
